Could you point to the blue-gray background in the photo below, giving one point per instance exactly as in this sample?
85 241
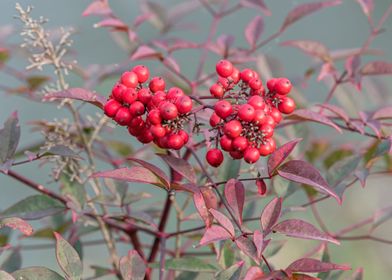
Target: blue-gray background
337 27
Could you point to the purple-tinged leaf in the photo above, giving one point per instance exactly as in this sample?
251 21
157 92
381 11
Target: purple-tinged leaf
341 169
180 44
253 31
98 8
137 174
359 126
18 224
261 187
247 247
367 6
181 166
375 126
306 114
381 216
67 258
132 266
327 70
78 94
383 113
312 48
337 111
313 266
270 215
303 172
279 155
235 196
145 52
357 275
352 65
224 221
259 4
213 234
202 209
362 176
9 138
158 14
143 217
209 197
114 23
172 64
301 229
260 242
377 68
154 169
253 273
231 273
306 9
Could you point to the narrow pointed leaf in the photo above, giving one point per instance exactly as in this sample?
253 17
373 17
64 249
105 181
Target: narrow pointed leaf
213 234
235 196
313 266
224 221
312 116
301 229
36 273
9 138
247 247
202 208
98 8
280 154
231 273
145 52
67 258
302 172
377 68
259 4
253 30
312 48
270 215
383 113
132 266
342 169
253 273
154 169
181 166
187 264
337 110
18 224
77 94
258 240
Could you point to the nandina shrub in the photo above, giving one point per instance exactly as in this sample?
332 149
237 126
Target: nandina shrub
227 149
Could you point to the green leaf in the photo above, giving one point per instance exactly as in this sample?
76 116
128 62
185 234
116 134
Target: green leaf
67 258
232 273
187 275
37 273
342 169
226 258
325 258
100 271
73 189
34 207
35 82
5 276
336 156
12 262
187 264
4 55
9 138
132 267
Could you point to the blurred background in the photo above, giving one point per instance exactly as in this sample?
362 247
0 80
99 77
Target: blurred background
340 27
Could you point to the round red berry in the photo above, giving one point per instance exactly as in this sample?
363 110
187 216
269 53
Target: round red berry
137 108
154 116
145 136
175 142
158 130
225 83
257 102
157 84
117 91
266 148
123 116
246 112
286 105
111 107
269 120
236 154
214 157
226 143
267 130
271 84
184 135
223 108
259 117
251 155
129 79
142 73
232 128
174 93
255 84
184 104
247 75
240 143
235 76
283 86
144 95
224 68
168 111
276 115
129 95
214 119
158 98
217 91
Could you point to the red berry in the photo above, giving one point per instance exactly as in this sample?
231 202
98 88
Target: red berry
145 136
136 126
158 130
184 104
224 68
175 142
154 117
271 84
223 108
117 91
158 98
137 108
214 119
286 105
283 86
129 95
235 76
157 84
111 107
251 155
255 84
267 130
184 135
225 83
257 102
247 75
259 117
217 91
276 115
129 79
214 157
142 73
144 95
168 111
240 143
266 148
123 116
246 112
233 128
226 143
174 93
269 120
236 154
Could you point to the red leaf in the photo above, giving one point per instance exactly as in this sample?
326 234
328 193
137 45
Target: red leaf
145 52
253 273
279 155
213 234
302 172
78 94
377 68
367 6
383 113
98 8
261 187
235 196
154 169
224 221
352 64
260 242
181 166
314 117
247 247
301 229
312 48
209 197
256 4
314 266
254 30
204 201
136 174
337 110
306 9
112 23
298 276
17 223
271 214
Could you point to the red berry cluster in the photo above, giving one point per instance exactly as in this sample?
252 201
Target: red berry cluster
245 116
150 112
